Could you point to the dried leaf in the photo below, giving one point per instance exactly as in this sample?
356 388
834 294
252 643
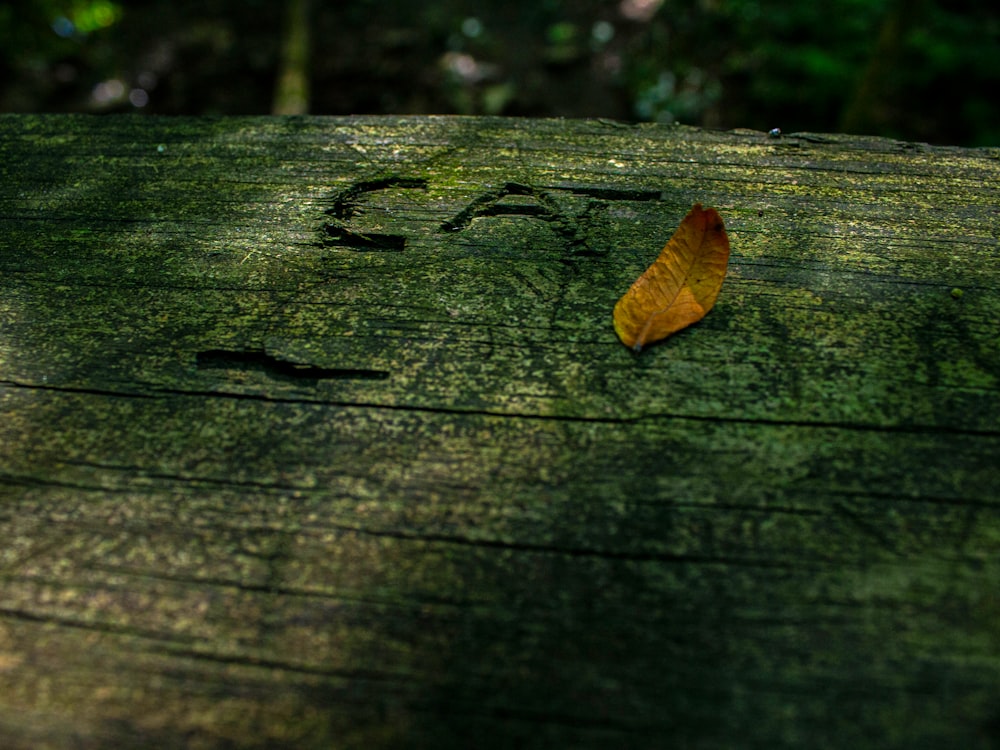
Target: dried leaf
681 285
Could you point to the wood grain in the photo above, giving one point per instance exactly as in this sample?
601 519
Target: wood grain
316 433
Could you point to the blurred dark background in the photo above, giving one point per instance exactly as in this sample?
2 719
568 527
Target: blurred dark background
921 70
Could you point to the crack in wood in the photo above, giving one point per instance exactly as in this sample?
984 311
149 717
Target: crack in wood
575 551
251 660
95 626
258 360
74 389
157 391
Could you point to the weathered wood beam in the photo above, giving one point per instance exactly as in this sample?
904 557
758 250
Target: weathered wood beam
316 433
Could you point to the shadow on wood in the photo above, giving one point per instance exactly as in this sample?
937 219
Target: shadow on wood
264 483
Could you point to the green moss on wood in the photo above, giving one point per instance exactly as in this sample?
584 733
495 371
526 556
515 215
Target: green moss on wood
517 530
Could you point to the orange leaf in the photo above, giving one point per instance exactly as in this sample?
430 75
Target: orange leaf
681 285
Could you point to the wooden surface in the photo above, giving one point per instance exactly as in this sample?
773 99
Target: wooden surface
316 433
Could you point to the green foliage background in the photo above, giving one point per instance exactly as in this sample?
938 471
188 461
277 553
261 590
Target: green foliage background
914 69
